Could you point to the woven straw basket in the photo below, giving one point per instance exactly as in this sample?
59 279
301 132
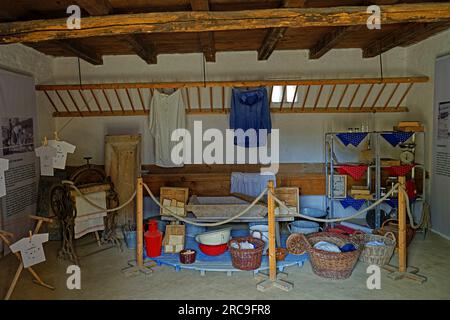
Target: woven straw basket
379 255
246 259
332 265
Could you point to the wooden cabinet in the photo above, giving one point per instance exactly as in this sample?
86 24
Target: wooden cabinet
123 164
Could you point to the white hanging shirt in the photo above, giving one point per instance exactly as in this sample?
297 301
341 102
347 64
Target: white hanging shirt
62 149
46 154
167 113
4 165
31 250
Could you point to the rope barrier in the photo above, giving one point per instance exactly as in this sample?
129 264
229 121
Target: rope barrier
214 224
408 210
340 219
251 205
82 195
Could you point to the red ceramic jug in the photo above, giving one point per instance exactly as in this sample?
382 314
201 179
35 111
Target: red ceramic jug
153 239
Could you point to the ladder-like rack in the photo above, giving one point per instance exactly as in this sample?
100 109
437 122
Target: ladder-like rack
306 96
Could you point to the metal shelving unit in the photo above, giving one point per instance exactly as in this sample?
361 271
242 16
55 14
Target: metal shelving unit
379 147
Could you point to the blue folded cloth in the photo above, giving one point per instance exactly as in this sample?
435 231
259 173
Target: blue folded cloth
354 203
353 138
394 138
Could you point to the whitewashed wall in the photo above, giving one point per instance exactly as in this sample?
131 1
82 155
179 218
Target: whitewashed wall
21 59
301 135
421 60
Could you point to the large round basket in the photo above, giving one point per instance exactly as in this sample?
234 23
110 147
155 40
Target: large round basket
379 255
332 265
246 259
391 225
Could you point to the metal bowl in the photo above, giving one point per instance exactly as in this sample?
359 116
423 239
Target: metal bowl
312 212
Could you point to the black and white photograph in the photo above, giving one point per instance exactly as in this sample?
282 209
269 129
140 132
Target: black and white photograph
233 151
17 135
444 120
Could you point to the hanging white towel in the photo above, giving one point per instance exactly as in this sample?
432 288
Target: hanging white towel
86 223
251 184
167 114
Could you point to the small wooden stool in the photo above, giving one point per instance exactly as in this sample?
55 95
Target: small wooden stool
6 237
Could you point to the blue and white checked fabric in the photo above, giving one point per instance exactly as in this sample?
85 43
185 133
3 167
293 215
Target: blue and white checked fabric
395 138
353 138
350 202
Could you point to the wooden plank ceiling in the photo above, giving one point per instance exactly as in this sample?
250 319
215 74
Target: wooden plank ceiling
420 20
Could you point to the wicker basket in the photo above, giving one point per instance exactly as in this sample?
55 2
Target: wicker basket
391 225
332 265
246 259
379 255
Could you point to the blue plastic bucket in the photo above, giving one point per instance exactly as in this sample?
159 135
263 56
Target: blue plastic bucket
130 239
303 226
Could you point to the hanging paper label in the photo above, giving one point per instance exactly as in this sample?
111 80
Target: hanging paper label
31 249
62 149
46 154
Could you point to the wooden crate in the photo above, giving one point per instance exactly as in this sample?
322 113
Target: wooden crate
181 195
289 195
174 238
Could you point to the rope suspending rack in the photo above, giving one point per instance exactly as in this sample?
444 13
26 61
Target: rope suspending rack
358 95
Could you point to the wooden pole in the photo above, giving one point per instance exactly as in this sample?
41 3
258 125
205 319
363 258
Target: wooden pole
236 83
139 223
272 280
271 218
402 264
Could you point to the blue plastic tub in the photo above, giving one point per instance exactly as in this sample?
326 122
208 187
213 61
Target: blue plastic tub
312 212
303 226
130 239
251 224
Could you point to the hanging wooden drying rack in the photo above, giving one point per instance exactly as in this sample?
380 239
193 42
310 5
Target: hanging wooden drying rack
311 96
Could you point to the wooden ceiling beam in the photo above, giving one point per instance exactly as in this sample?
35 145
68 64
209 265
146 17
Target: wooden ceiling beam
206 39
329 41
95 7
274 35
103 7
144 50
405 35
204 21
81 51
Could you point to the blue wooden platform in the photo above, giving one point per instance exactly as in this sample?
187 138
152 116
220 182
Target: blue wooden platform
222 263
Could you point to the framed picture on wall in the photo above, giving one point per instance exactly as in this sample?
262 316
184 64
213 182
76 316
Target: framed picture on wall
338 187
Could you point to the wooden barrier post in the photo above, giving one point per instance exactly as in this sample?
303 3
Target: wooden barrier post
401 227
272 278
139 266
139 223
403 271
271 220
